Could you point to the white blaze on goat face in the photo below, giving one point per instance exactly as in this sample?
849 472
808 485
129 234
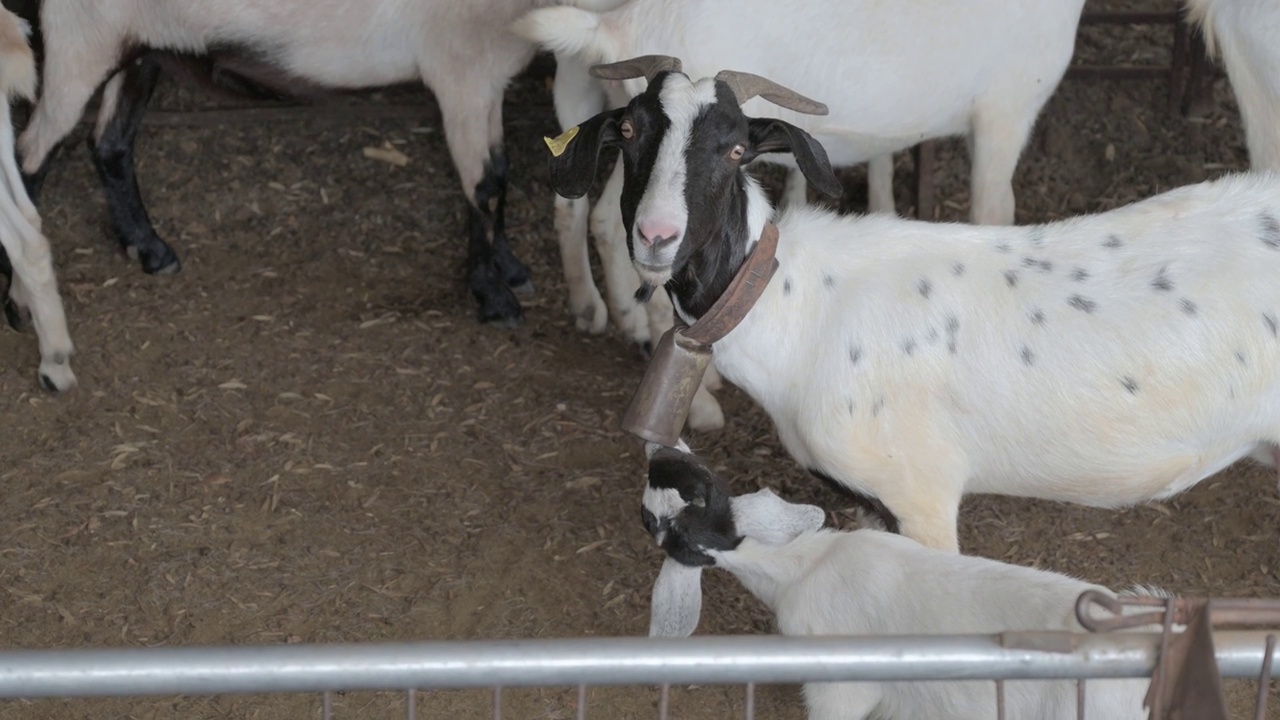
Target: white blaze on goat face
663 213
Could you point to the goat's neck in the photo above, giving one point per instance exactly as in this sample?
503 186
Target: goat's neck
722 245
768 570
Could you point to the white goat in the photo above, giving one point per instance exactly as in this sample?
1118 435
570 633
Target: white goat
824 582
1247 31
1106 360
32 284
461 50
892 74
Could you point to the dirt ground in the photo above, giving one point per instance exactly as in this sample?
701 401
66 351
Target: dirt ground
305 436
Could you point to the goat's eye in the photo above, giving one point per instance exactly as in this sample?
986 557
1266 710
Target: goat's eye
627 130
736 152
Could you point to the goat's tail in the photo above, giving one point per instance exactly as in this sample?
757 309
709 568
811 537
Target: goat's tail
1200 15
570 31
17 62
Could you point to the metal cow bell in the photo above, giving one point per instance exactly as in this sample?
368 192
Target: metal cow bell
660 407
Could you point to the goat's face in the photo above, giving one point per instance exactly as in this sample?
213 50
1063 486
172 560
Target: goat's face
686 507
683 144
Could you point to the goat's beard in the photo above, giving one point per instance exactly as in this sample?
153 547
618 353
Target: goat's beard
645 292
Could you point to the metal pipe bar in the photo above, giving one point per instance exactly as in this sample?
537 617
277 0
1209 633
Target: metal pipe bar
590 661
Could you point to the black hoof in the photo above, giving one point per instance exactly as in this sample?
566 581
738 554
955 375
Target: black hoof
524 289
48 384
646 349
159 260
499 307
18 318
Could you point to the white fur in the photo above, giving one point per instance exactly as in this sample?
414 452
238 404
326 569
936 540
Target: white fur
857 369
983 70
461 50
823 582
1246 31
34 286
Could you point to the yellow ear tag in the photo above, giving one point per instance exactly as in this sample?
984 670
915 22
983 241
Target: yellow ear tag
560 142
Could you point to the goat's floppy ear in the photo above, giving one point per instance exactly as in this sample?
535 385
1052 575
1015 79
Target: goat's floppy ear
771 136
767 518
677 600
576 153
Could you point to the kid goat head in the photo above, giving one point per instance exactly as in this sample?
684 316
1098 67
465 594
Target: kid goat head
689 510
686 203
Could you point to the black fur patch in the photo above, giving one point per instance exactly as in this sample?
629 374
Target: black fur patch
1037 316
1270 321
1113 242
868 503
1011 278
1129 384
1161 281
1028 357
706 523
1187 306
1079 274
924 287
828 281
1082 303
957 269
1270 233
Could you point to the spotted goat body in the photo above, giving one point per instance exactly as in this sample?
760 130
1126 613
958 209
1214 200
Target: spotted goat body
1154 368
818 581
27 260
981 71
462 51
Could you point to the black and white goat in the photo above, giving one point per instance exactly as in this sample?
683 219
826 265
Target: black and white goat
818 581
462 51
1107 359
983 71
26 259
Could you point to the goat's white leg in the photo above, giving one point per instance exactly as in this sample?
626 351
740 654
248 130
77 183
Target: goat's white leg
471 113
1247 35
588 308
577 96
620 279
996 142
880 184
13 176
795 192
35 288
70 77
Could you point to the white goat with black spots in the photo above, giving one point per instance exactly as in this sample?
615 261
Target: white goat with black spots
462 51
819 581
1106 360
1247 31
27 260
892 74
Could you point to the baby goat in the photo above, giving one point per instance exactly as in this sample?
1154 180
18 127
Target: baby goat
462 51
27 260
1106 360
867 582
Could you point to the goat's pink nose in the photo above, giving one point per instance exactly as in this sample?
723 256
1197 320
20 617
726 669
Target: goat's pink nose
657 232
